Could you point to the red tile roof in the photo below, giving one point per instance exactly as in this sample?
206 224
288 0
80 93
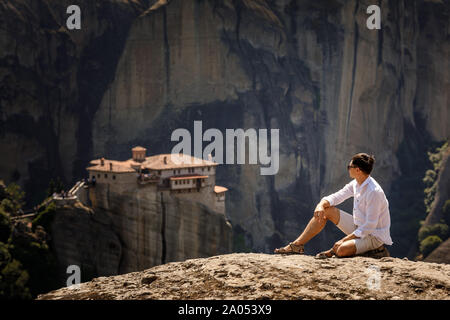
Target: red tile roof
175 161
117 166
158 162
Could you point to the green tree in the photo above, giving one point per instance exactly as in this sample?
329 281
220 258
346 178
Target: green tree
40 264
5 226
15 193
429 244
5 256
13 278
430 177
45 217
13 199
55 186
8 206
438 229
27 265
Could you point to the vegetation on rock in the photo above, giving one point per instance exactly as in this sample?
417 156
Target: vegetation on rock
27 265
430 236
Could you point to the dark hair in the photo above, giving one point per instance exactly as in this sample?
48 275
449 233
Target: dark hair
364 162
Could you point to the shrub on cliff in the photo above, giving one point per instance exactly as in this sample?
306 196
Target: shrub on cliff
27 265
55 186
13 200
431 175
45 217
40 264
5 226
7 206
13 279
438 229
429 244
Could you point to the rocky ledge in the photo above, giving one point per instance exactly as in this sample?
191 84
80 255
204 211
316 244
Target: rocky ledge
263 276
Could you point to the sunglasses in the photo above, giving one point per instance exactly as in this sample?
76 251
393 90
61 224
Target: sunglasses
351 166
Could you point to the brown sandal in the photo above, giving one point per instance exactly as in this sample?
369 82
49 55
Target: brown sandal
294 249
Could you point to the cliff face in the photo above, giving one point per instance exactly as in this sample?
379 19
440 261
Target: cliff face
155 227
262 276
84 237
133 229
51 83
311 69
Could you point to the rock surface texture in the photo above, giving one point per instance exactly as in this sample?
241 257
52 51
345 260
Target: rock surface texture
261 276
135 72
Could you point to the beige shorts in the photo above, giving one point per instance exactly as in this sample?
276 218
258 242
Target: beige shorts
362 245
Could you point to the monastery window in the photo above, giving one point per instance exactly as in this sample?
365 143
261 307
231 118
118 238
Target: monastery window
174 172
209 168
106 176
98 175
114 177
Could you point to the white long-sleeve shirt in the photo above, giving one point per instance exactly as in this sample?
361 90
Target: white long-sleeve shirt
370 208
